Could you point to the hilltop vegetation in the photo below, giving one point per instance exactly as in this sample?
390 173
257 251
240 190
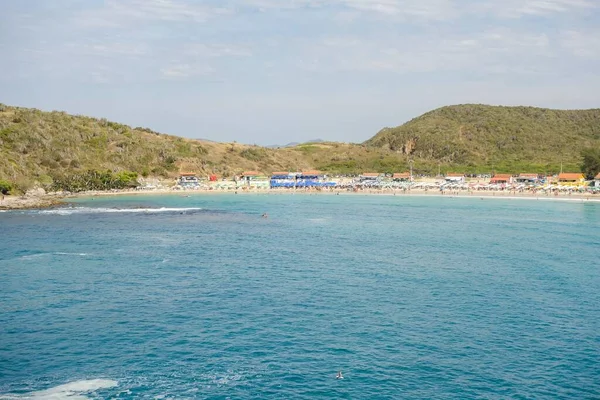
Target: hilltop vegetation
44 147
55 149
509 139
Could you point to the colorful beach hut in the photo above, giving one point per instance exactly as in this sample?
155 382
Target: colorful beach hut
401 177
571 178
501 179
370 176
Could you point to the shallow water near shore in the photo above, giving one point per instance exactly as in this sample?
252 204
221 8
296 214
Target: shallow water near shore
201 297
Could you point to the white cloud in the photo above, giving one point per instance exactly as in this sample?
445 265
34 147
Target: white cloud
520 8
493 51
178 71
110 49
117 13
429 9
582 44
204 50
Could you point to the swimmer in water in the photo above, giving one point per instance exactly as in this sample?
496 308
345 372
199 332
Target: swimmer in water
339 375
265 215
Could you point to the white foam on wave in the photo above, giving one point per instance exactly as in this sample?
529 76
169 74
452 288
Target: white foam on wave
100 210
226 379
32 256
58 253
318 220
76 390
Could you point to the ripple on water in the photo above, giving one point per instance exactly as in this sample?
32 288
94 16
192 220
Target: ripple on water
409 297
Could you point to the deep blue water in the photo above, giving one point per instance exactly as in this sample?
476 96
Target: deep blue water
418 297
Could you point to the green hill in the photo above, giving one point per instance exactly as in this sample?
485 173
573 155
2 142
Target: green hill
508 139
42 148
37 147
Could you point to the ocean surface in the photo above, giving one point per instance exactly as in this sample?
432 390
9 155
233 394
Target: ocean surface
200 297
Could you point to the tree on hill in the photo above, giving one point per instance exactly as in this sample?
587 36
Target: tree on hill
5 186
591 162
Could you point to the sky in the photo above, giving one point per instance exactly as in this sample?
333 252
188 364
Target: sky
278 71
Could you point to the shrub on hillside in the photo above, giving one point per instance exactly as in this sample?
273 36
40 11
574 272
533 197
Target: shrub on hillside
591 162
95 180
253 154
5 187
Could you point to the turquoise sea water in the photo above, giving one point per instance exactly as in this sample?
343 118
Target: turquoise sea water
200 297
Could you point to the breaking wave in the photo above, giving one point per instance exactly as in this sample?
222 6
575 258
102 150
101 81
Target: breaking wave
76 390
91 210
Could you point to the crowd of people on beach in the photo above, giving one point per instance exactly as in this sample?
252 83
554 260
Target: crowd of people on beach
415 188
344 185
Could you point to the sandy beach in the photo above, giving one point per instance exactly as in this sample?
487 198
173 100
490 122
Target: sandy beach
33 201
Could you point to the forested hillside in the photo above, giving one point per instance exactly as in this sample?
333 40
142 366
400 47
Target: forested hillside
511 139
41 148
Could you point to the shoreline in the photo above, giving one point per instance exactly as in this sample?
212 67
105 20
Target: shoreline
52 200
30 202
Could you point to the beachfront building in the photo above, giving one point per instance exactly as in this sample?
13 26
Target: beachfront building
401 177
282 175
253 178
454 178
528 179
312 178
188 180
311 175
304 179
283 179
596 181
370 177
501 179
571 179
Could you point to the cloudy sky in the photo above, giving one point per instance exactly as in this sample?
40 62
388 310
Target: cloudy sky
276 71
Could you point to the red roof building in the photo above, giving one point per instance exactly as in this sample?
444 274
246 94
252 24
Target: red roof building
250 173
403 176
311 173
571 177
502 178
